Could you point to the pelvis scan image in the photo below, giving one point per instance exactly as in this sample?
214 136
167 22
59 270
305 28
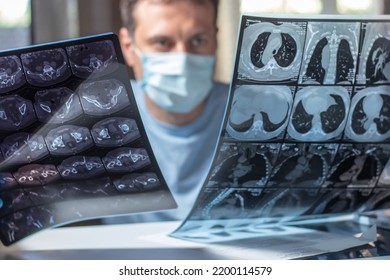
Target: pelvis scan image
307 129
72 144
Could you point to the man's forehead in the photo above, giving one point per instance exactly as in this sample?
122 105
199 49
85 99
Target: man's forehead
172 1
144 3
139 10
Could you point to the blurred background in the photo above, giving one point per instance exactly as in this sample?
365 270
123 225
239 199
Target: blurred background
27 22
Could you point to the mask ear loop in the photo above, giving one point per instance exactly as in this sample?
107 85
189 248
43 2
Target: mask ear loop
136 50
138 53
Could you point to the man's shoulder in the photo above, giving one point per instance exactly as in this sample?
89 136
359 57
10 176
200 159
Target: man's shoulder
220 91
221 87
216 103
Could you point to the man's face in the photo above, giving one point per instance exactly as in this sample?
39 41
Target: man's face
179 26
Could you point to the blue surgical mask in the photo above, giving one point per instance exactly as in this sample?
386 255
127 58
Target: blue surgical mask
177 82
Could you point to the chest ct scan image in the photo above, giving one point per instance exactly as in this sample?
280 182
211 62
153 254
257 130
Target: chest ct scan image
306 131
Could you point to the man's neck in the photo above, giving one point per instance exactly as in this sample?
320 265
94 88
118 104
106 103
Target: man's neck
178 119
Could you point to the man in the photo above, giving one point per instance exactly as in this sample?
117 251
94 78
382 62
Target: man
171 46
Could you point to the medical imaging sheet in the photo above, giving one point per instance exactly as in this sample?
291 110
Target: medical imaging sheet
306 131
72 144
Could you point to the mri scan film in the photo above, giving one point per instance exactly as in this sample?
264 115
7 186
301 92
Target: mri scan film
72 144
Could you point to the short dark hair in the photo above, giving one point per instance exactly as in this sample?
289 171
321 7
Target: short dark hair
127 8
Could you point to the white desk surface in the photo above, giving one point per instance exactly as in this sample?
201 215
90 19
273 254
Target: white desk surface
122 241
151 241
120 236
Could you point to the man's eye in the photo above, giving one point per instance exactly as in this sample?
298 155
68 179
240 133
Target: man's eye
198 41
162 43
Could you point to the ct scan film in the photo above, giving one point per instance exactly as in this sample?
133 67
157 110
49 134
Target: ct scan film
307 128
72 144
